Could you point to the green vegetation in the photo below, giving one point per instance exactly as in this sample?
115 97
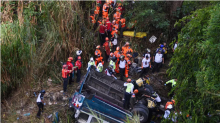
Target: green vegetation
196 66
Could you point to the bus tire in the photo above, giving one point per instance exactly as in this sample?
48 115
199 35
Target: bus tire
143 114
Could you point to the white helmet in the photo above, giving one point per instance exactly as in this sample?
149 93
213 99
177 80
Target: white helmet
169 107
78 52
148 50
91 59
100 64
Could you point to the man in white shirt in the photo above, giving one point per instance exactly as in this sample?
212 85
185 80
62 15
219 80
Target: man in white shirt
122 63
40 103
145 65
175 46
158 59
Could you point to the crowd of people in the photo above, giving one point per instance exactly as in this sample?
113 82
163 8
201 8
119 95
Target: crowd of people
118 60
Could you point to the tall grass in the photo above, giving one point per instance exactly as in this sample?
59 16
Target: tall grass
38 38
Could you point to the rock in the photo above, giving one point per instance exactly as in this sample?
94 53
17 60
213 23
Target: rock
65 98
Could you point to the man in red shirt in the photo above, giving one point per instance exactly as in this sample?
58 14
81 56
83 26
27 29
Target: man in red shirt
109 27
78 64
102 31
65 73
70 67
107 48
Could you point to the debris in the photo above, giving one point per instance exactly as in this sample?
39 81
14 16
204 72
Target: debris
65 98
49 116
35 94
27 114
50 103
18 111
153 39
61 91
17 118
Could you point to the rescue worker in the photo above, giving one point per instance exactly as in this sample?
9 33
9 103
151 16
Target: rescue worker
117 15
122 26
158 59
40 102
128 61
105 10
92 17
140 82
128 92
127 49
109 71
97 51
141 91
117 55
102 31
161 47
70 67
109 27
112 63
99 67
145 65
96 12
78 64
91 63
172 81
167 111
110 56
65 73
107 48
78 53
99 59
122 63
114 39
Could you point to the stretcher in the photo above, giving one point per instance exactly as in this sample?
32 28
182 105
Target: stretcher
131 34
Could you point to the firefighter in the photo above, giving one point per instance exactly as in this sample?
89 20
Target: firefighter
78 64
126 49
107 48
105 10
109 27
122 28
117 55
128 61
102 32
169 103
114 39
92 17
128 92
117 15
122 64
97 51
110 56
97 11
99 59
78 53
65 73
70 67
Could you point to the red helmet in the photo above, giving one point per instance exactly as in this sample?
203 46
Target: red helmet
70 58
106 38
173 101
79 57
64 66
98 46
128 80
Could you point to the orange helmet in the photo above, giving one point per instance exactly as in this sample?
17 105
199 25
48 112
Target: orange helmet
128 80
111 54
173 101
136 91
97 47
106 38
113 21
117 48
79 57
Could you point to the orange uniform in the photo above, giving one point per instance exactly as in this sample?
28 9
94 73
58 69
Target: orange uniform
97 10
117 55
122 22
99 59
105 10
97 51
127 66
117 15
93 19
